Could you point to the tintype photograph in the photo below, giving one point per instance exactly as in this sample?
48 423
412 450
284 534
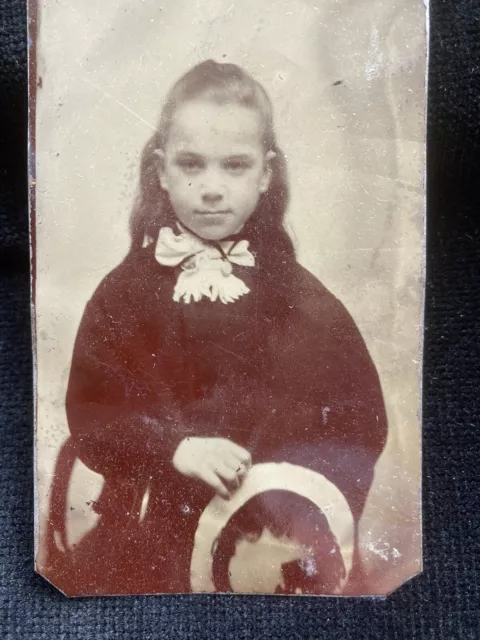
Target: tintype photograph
227 214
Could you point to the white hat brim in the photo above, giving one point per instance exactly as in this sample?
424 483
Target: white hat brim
269 477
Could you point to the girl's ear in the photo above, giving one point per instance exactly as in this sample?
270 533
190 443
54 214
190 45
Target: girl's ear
267 174
161 169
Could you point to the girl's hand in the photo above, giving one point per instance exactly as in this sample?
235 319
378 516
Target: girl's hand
218 462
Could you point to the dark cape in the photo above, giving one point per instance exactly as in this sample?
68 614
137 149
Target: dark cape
283 372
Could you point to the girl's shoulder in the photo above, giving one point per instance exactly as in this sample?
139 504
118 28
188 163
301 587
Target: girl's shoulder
307 283
310 295
315 312
138 275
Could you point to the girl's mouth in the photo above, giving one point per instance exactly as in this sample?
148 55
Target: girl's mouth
208 212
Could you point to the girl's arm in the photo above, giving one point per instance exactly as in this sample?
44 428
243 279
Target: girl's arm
120 415
339 427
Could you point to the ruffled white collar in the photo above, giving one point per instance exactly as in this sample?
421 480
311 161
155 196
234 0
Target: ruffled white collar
206 267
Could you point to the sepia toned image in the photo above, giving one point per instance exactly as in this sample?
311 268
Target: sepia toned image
228 248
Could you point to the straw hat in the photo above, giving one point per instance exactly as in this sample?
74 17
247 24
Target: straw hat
271 477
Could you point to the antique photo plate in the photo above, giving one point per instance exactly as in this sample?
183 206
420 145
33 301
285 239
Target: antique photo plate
228 246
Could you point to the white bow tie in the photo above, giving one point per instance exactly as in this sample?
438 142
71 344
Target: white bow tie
206 269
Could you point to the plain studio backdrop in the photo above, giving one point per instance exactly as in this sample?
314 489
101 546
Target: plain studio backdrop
346 78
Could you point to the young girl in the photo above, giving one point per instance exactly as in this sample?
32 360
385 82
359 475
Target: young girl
207 349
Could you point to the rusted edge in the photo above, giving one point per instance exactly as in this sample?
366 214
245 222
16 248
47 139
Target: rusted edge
32 32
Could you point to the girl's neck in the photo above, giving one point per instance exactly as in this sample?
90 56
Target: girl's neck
235 237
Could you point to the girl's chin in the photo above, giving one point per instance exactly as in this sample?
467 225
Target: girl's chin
214 232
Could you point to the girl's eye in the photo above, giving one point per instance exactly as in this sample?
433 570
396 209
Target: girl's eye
236 166
190 165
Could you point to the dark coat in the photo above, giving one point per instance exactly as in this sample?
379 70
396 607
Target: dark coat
283 372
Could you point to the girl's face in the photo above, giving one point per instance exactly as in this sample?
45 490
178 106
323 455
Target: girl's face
214 167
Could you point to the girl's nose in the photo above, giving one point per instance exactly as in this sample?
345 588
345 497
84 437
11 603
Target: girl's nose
212 190
212 196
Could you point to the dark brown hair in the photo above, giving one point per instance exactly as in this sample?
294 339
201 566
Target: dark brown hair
223 84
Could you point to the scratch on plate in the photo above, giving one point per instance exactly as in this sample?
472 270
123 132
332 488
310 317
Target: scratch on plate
375 57
109 95
382 552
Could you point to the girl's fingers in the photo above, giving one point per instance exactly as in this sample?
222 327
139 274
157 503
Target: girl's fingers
226 473
237 470
240 469
241 454
211 478
234 463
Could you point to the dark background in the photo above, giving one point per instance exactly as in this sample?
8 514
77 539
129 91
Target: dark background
442 603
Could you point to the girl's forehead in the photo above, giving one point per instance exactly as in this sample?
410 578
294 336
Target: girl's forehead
201 123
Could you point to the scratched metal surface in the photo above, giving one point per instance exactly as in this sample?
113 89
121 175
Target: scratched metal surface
349 100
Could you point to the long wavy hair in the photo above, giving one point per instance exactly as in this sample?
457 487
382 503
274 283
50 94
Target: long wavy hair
222 84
